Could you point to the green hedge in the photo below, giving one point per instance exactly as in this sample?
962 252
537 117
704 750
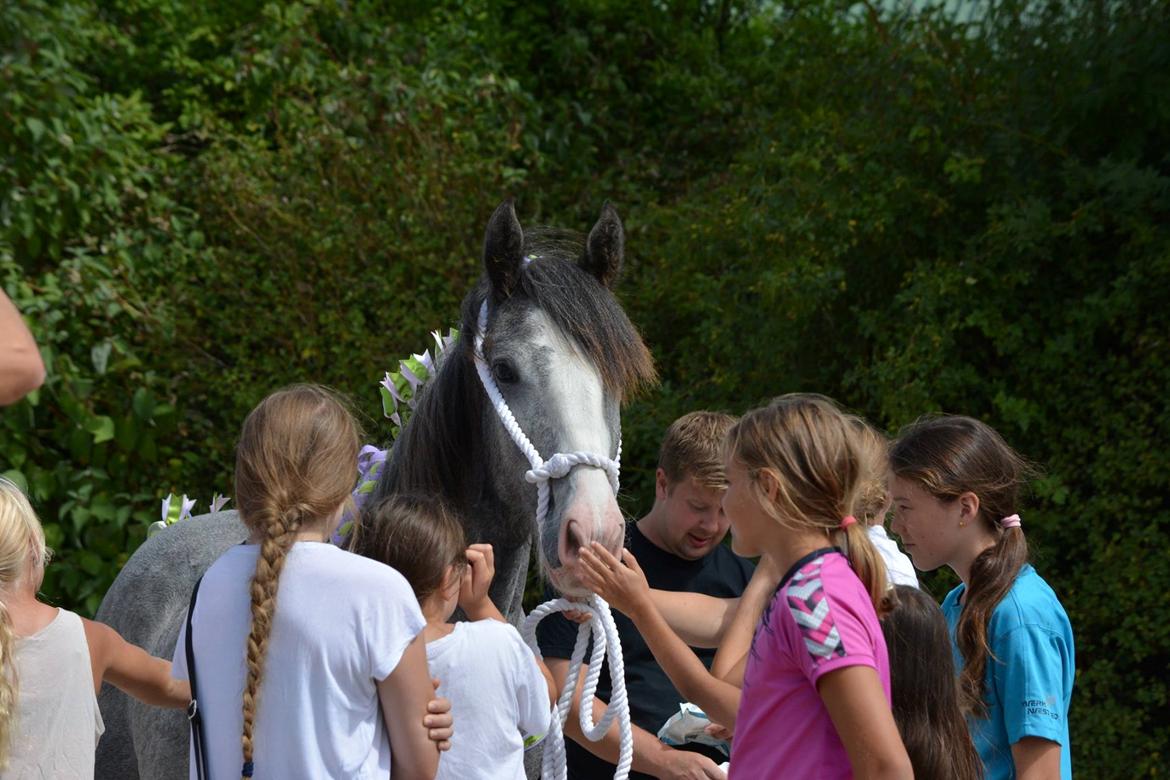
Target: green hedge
200 202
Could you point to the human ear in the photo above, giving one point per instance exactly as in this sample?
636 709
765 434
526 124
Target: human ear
769 483
968 508
661 485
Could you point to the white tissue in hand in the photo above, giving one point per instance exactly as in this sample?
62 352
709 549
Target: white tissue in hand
689 725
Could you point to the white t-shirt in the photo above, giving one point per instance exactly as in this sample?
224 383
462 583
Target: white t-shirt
898 566
499 699
341 624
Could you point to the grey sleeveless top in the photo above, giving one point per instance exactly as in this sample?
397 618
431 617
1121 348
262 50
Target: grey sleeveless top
57 721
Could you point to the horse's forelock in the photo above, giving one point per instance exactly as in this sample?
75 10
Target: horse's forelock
583 309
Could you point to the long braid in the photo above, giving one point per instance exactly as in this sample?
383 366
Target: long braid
294 470
278 540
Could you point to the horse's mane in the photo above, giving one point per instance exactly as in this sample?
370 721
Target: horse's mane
444 433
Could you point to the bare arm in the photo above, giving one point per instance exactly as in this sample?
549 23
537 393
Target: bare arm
1036 759
651 756
408 690
737 639
21 367
861 714
132 669
698 619
623 584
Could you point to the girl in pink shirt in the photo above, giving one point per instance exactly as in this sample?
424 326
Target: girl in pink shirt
816 687
815 699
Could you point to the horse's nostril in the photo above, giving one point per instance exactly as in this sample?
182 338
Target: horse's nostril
573 540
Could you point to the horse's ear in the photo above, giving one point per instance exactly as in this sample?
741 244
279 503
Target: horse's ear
605 247
503 249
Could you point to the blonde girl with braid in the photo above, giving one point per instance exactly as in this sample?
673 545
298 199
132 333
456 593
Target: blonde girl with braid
310 660
956 487
52 662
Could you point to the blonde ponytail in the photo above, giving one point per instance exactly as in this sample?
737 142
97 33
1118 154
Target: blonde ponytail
295 466
22 546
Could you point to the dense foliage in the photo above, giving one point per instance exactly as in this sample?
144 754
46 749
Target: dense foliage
907 211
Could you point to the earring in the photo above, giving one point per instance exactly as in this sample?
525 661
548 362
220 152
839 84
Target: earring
962 523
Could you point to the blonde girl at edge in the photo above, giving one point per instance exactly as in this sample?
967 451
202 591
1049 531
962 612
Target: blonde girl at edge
53 662
326 646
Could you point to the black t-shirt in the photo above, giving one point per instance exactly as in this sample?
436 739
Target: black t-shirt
653 698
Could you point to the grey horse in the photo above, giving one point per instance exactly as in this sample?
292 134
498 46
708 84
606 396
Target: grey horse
564 356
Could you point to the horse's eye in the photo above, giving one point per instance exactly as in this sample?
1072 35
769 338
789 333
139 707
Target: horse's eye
503 372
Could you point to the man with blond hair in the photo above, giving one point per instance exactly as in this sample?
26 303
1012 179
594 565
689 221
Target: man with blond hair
678 544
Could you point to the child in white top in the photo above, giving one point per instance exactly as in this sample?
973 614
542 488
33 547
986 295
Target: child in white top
501 694
52 662
310 661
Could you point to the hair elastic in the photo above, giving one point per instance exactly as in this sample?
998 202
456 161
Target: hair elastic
1011 521
847 521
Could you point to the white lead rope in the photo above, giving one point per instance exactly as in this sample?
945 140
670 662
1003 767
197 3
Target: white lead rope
605 636
606 643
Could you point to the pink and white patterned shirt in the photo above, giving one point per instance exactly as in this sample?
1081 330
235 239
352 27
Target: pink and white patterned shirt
820 620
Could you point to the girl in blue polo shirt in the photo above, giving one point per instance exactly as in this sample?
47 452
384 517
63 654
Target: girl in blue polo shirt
955 488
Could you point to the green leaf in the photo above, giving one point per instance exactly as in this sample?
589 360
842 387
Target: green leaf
102 428
36 127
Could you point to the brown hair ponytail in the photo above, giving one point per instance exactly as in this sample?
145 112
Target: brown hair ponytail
815 455
295 467
949 456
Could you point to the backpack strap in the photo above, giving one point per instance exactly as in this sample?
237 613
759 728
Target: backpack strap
194 715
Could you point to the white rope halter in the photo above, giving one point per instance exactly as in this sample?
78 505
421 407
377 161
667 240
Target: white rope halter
605 636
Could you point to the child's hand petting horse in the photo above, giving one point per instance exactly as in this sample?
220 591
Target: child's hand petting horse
477 581
621 583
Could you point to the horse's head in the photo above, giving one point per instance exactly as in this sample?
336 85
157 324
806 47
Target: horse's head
563 355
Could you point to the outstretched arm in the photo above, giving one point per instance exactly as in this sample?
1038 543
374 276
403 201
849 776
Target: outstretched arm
698 619
21 367
624 586
132 669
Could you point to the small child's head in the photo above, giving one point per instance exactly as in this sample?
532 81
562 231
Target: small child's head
798 464
296 461
924 694
421 538
22 539
956 486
